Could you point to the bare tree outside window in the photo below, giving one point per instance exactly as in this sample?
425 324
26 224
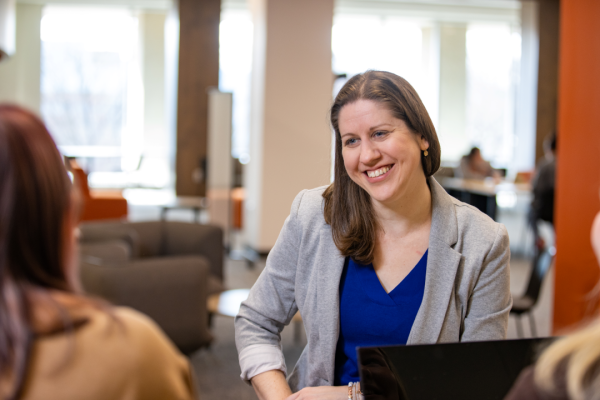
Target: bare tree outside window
84 82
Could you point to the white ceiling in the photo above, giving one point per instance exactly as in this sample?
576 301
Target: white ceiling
506 4
438 10
511 4
141 4
443 10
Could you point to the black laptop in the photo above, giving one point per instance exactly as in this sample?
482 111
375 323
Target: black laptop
473 370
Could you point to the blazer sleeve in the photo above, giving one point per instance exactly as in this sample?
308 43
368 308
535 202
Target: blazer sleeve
271 304
490 302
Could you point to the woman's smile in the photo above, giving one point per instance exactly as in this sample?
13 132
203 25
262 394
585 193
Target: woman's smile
378 173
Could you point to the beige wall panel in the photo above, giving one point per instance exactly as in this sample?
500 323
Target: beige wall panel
20 75
156 141
292 135
453 90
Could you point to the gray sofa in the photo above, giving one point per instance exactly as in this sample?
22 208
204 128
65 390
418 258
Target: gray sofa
166 270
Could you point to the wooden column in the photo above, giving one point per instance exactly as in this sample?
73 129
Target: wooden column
198 70
578 164
549 16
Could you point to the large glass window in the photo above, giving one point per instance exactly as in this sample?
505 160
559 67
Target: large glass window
493 56
235 67
362 42
91 89
414 47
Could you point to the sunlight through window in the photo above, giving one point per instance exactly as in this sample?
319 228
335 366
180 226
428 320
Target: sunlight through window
493 56
91 87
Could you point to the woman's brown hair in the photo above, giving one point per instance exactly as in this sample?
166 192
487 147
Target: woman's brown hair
348 207
35 201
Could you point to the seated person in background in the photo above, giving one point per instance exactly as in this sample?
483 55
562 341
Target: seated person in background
569 369
542 205
56 343
474 166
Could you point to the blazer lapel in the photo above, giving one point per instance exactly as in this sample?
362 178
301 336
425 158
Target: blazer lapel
328 294
442 264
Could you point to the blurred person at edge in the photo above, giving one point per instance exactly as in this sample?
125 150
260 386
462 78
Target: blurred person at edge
570 368
382 256
543 187
55 342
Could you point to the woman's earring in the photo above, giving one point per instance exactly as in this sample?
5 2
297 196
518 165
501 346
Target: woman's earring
425 153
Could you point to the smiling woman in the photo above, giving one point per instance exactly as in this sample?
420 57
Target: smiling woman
382 256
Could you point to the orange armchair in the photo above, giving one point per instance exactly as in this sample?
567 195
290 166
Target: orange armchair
97 204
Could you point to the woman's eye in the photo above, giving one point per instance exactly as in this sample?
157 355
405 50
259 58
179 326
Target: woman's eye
379 133
351 141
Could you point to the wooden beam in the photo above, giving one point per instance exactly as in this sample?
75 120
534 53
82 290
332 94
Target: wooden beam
549 18
198 71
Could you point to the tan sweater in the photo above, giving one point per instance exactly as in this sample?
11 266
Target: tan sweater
124 359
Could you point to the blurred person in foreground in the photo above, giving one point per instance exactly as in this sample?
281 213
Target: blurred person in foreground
570 368
55 342
474 166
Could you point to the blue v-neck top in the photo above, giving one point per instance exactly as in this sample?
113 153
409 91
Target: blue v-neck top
369 316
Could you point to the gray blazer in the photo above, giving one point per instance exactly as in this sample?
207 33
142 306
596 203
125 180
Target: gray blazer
467 289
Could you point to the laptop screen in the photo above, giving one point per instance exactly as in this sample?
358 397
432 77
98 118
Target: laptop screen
470 370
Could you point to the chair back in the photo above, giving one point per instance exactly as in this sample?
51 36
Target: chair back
80 178
524 177
541 265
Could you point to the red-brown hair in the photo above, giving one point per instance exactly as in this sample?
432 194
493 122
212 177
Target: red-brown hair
35 201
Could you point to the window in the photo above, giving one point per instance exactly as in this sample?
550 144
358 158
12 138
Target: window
235 67
493 56
91 89
362 42
464 66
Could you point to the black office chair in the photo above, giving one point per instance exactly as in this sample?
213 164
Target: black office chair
524 304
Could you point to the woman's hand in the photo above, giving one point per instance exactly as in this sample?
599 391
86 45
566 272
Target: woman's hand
321 393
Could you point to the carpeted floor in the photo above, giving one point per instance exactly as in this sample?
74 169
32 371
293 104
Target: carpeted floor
217 369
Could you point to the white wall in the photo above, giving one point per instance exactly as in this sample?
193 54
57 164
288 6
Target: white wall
526 107
157 142
453 90
20 74
152 27
7 27
171 65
